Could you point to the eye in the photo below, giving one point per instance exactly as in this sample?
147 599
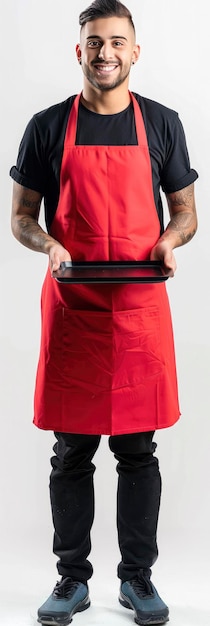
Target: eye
94 44
118 43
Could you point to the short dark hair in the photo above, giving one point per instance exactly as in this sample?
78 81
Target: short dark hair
105 8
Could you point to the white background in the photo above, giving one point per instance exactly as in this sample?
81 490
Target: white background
39 68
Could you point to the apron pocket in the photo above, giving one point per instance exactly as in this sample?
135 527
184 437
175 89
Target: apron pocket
109 350
87 349
98 350
137 357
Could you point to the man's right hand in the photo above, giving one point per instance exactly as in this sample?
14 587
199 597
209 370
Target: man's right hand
57 254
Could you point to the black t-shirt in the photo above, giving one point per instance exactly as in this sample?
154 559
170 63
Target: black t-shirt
41 149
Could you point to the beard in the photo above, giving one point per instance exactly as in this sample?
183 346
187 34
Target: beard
102 85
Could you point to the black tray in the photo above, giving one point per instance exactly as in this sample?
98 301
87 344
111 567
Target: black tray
76 272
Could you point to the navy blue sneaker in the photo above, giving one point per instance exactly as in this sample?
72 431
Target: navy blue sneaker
68 597
140 595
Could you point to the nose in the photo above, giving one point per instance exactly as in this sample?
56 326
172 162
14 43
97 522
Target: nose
106 51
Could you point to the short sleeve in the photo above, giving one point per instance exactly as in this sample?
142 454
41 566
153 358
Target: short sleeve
176 172
29 170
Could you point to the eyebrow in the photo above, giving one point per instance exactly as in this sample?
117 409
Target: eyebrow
112 37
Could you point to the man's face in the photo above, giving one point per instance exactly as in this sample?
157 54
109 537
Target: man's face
106 51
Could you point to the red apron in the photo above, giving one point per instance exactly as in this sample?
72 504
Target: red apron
107 362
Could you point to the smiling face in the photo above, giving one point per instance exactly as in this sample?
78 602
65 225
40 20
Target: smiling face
106 52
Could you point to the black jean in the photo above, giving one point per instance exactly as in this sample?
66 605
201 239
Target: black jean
72 501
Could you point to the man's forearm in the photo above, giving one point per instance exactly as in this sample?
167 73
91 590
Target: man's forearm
27 230
181 229
183 223
24 219
25 227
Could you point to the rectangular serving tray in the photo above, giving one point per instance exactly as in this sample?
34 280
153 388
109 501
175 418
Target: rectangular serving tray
76 272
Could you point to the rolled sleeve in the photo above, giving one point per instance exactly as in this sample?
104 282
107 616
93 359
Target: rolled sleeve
177 172
182 182
23 180
29 170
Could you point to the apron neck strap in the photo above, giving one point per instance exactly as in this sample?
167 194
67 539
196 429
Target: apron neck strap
73 117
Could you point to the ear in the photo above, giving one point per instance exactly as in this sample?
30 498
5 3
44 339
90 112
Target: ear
136 53
78 52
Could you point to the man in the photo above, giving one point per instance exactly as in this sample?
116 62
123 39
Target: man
107 358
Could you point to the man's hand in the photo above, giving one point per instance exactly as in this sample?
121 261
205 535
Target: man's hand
57 254
163 252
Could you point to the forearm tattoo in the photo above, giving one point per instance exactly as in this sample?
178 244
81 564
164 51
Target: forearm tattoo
31 234
184 223
25 224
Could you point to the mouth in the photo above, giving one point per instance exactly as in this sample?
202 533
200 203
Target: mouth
105 70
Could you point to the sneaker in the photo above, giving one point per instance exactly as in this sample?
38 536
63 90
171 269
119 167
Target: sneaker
68 597
140 595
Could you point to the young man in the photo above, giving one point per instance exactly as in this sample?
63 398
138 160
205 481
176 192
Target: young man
107 358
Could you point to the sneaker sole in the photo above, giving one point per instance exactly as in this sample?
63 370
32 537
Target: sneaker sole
151 620
49 620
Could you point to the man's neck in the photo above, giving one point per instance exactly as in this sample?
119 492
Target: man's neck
105 102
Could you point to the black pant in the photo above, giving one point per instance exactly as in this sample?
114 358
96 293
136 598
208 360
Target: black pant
72 501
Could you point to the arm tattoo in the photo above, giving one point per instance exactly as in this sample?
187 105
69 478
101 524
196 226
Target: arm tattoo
183 222
182 197
184 225
31 234
31 205
25 215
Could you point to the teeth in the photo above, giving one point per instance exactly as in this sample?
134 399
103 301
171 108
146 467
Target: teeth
105 68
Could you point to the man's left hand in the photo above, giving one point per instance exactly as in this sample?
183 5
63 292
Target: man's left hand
163 252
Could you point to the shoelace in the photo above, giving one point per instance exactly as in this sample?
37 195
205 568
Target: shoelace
142 586
65 588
